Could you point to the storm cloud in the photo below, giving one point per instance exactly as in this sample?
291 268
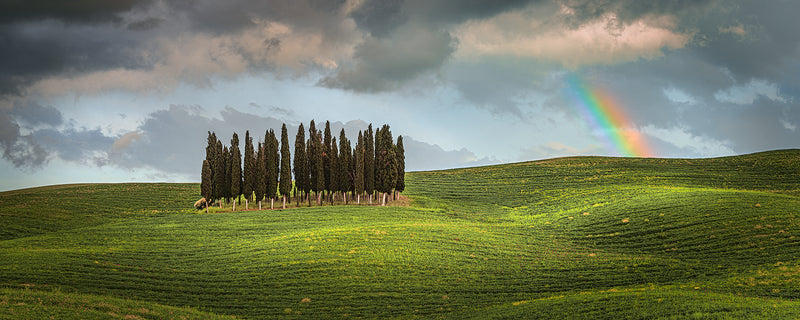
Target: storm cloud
694 78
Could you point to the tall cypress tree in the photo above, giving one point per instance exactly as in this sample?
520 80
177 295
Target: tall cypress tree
369 163
401 165
260 174
311 147
211 157
386 161
358 179
236 170
326 156
218 173
249 163
333 172
300 163
345 175
319 167
226 177
286 166
273 163
205 183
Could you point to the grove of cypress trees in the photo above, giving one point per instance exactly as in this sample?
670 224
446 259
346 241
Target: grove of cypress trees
236 170
358 179
300 164
206 182
286 166
401 165
369 163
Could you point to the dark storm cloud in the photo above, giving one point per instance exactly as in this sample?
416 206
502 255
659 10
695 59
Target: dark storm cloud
32 113
50 48
145 24
84 146
23 151
631 10
769 46
408 39
43 39
80 11
384 64
381 17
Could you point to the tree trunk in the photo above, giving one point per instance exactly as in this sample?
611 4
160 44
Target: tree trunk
272 203
206 206
370 199
383 201
284 201
259 205
245 205
358 199
234 205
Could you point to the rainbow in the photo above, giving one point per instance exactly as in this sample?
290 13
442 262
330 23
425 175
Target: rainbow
607 119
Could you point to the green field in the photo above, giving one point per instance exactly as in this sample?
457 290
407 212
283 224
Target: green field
580 237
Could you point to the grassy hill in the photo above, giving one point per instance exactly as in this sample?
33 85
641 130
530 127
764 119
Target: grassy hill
580 237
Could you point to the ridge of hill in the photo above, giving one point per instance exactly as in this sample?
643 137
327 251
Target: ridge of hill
578 237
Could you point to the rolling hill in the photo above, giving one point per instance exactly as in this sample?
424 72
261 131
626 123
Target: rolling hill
578 237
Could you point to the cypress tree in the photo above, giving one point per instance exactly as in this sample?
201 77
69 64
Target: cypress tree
206 182
386 162
326 156
272 159
401 165
311 147
236 170
218 173
358 179
369 163
211 157
286 166
345 175
226 178
260 174
300 163
319 167
211 149
333 178
249 162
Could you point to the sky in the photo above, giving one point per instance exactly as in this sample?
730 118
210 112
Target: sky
126 90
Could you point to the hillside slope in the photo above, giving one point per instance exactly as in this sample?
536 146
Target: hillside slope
583 237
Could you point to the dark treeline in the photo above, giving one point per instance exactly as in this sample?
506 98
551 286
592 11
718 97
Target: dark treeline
325 169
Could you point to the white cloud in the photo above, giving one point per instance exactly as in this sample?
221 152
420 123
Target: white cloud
748 93
679 136
788 125
679 96
605 40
